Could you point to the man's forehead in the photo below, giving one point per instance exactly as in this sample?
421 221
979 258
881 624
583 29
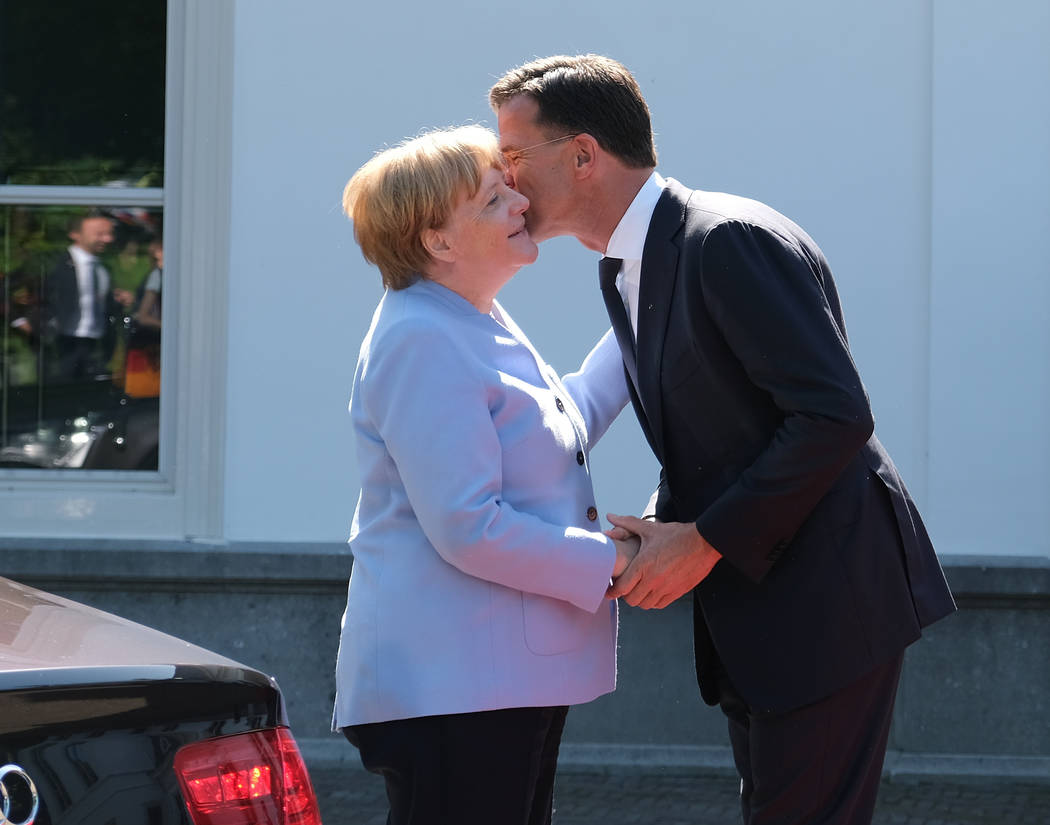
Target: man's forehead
517 121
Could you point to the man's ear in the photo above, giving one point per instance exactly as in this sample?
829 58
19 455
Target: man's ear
585 155
436 244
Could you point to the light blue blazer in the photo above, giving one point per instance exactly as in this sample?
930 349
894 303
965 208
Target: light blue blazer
479 566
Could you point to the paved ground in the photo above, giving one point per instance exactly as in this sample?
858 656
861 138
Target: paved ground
350 796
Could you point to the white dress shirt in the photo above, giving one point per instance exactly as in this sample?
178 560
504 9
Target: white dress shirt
89 325
628 241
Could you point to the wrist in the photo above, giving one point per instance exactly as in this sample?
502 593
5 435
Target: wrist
693 536
703 544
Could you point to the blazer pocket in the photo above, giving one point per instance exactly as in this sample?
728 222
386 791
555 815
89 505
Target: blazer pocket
553 626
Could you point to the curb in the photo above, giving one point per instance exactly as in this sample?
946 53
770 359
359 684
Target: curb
698 760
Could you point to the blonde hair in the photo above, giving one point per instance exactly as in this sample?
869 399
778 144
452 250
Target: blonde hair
411 187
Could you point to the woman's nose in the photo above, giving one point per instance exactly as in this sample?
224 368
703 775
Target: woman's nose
521 202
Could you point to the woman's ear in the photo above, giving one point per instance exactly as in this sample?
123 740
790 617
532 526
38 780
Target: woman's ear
436 244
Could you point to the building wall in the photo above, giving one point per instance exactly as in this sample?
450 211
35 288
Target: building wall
911 139
276 607
990 295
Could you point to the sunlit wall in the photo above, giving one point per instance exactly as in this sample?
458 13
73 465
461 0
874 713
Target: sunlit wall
911 139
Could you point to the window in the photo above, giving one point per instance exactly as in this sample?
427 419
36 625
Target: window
123 119
82 102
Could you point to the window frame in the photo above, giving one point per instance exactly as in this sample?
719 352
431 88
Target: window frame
184 497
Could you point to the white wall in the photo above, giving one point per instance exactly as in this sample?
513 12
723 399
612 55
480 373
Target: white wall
856 122
990 331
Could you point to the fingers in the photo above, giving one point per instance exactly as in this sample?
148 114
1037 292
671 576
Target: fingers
663 590
631 523
653 599
625 553
617 533
660 602
626 581
643 596
651 591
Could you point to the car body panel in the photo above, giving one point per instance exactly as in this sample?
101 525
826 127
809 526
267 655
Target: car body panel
40 631
94 707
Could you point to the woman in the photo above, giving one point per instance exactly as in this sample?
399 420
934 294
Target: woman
142 362
476 609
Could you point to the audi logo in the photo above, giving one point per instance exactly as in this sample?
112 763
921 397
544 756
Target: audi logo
18 798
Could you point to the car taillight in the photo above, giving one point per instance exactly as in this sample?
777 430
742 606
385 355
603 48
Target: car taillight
247 779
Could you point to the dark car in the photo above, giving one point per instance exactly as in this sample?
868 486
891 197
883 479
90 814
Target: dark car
107 722
88 426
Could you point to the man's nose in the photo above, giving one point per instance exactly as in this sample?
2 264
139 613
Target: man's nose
508 177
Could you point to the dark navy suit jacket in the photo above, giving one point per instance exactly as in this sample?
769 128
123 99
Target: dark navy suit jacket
62 304
751 402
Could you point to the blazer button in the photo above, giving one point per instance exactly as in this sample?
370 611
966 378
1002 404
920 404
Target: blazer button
579 458
592 514
561 407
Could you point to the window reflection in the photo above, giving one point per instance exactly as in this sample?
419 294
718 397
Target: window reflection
81 312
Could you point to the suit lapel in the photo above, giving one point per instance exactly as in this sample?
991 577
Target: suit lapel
659 272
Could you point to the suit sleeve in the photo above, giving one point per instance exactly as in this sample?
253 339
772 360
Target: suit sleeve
599 387
765 294
428 401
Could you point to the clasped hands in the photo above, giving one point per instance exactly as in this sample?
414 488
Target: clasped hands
657 562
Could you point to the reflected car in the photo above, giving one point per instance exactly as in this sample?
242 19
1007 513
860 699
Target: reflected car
106 722
97 422
119 434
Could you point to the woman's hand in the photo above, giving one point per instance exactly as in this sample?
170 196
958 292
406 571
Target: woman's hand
626 550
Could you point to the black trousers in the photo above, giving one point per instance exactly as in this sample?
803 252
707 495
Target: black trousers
78 358
820 764
478 768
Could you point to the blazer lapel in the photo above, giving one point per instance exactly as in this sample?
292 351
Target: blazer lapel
659 273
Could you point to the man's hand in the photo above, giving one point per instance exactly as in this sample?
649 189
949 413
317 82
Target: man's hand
674 558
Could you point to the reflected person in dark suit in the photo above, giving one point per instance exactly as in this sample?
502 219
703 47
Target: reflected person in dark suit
777 510
80 305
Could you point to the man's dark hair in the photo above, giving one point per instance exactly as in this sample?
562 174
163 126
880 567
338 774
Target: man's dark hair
75 223
586 93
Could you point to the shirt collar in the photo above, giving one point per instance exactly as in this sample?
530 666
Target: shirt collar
628 239
81 257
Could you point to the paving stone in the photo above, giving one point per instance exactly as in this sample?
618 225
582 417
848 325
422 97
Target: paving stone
350 796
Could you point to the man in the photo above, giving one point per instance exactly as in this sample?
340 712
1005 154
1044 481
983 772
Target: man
81 307
777 507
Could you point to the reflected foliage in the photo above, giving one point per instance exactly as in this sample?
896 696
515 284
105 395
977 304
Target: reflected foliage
82 92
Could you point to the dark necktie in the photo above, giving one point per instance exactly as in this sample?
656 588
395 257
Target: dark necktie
96 301
608 268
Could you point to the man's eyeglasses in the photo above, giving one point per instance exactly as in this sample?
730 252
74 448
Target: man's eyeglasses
513 156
